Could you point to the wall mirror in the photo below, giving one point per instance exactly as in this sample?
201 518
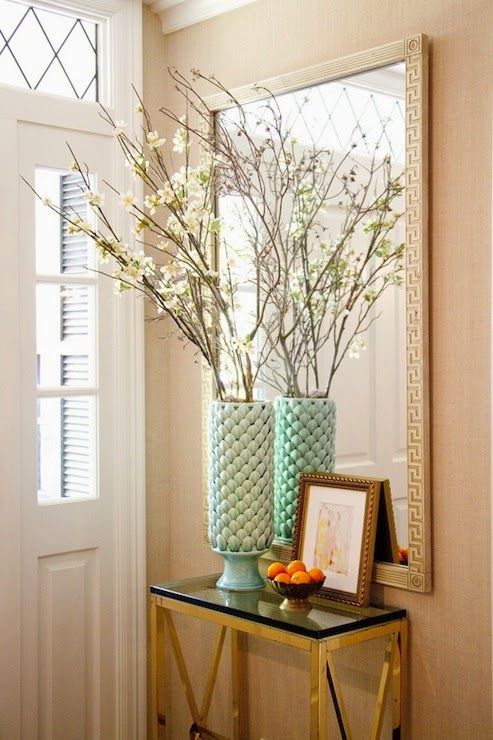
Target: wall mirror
370 106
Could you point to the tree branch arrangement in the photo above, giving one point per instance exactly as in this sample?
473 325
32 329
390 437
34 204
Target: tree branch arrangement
245 214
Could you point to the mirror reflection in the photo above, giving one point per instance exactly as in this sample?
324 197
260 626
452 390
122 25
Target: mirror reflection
353 133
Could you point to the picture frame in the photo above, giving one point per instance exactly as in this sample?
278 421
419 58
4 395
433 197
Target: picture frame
335 530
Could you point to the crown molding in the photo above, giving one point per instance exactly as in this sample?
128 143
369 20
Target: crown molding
178 14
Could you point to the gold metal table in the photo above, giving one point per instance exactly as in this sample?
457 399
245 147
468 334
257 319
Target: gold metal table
327 627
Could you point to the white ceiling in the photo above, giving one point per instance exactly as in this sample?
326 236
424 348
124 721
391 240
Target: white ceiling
177 14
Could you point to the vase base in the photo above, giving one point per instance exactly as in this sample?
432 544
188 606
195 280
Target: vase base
241 571
295 605
283 540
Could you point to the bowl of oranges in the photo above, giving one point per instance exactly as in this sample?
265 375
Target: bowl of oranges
295 582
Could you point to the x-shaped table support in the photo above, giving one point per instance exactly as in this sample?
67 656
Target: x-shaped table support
323 673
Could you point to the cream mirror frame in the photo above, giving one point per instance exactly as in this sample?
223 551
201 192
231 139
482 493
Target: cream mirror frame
413 51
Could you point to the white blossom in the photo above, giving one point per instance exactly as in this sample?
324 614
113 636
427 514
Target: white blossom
174 226
159 198
128 199
153 140
103 255
120 287
355 347
116 246
139 265
139 166
180 177
94 198
120 127
180 140
191 219
140 225
166 193
76 225
244 344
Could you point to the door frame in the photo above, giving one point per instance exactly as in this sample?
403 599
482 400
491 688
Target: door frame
122 20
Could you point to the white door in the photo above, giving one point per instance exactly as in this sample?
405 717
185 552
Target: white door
71 494
68 487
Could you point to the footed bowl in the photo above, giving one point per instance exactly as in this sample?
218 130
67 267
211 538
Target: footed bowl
296 596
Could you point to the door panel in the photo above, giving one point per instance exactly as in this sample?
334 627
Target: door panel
68 649
68 544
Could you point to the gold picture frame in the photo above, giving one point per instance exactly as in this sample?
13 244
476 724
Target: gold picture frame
336 527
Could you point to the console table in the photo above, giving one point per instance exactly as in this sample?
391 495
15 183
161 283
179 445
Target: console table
327 627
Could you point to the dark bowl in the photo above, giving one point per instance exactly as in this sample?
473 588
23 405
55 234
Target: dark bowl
296 595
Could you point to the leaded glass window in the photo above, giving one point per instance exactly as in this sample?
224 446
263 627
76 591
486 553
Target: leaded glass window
48 51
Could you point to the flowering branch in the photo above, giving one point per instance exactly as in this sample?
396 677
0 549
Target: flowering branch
194 258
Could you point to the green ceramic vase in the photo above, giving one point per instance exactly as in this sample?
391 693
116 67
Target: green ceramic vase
241 493
304 443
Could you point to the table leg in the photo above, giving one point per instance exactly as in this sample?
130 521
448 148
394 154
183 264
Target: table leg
153 719
391 667
318 690
402 679
161 675
239 685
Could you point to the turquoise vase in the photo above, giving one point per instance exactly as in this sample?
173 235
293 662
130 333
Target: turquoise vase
304 443
241 493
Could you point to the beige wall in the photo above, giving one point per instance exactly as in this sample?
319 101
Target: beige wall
450 672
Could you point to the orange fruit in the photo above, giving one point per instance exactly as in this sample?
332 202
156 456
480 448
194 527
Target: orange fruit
274 569
283 578
301 577
316 574
294 566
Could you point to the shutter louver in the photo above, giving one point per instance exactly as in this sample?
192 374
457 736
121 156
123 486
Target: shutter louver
75 312
75 412
74 251
76 454
75 369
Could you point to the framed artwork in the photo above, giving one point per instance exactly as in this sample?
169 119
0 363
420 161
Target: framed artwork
336 525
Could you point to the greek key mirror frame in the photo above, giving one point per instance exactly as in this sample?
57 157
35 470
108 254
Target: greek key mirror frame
416 576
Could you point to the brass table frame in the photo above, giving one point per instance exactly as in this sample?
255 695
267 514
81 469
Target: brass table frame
323 675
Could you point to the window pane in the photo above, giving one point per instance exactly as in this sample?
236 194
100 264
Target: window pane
57 250
65 334
66 58
66 448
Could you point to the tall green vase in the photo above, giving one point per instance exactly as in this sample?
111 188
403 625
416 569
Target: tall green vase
304 443
241 493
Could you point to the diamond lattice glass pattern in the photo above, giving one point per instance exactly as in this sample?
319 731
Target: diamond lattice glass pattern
65 61
354 114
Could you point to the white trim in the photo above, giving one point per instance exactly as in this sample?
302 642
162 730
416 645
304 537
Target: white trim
129 475
66 391
67 279
56 111
123 34
178 14
90 9
10 439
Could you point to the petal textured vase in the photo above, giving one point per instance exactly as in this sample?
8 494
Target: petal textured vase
241 493
304 443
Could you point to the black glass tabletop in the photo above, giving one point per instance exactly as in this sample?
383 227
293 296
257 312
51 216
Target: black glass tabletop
324 619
